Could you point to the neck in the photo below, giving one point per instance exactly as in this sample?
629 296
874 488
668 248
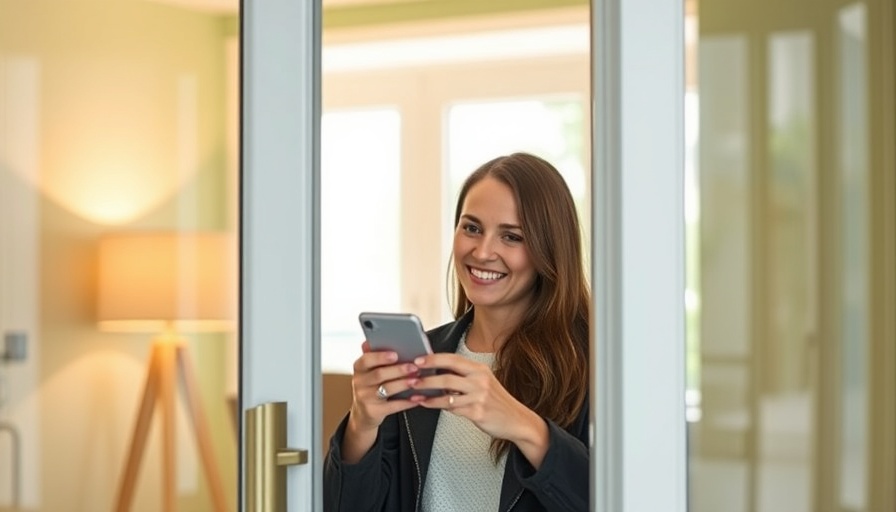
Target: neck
490 329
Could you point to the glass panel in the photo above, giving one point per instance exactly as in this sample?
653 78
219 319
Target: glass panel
117 255
786 398
781 271
360 211
720 275
854 303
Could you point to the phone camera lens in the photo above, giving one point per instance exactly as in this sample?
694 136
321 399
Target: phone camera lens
368 324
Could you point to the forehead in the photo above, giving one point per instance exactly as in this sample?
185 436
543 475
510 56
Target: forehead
490 199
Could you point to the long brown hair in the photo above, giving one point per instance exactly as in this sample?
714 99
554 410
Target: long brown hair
544 362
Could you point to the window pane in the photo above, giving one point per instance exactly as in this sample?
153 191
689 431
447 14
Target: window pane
550 128
360 210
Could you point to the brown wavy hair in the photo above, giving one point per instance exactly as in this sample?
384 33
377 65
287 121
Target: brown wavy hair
544 362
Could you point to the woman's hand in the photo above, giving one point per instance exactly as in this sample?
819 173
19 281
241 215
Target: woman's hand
474 392
372 370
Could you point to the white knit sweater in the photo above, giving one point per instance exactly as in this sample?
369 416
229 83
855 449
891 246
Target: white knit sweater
462 474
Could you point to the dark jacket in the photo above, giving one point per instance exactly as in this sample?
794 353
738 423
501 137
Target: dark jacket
390 477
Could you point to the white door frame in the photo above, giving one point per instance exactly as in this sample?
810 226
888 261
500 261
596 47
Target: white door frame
279 228
639 450
639 460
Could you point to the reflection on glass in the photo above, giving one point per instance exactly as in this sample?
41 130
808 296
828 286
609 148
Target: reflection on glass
112 122
781 268
360 212
784 385
853 178
720 264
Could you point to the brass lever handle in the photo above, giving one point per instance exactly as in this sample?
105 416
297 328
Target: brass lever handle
292 457
267 458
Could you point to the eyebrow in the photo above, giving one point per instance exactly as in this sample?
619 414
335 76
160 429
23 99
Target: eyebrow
502 226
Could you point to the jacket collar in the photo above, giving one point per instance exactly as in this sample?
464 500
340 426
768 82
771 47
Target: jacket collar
447 337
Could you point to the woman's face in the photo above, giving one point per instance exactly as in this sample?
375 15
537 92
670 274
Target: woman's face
490 255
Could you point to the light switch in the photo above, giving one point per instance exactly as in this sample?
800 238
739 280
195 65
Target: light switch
16 345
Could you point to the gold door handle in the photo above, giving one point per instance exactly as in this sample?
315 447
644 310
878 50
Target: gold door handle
267 458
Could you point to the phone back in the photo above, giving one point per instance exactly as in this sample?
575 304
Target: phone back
399 332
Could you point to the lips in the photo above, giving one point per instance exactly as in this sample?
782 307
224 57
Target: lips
486 275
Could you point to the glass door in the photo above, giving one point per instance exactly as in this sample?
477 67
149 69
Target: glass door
790 250
118 255
121 229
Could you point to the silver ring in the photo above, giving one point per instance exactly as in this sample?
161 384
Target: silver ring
382 393
451 400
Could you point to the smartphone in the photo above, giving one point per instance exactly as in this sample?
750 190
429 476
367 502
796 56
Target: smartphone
403 334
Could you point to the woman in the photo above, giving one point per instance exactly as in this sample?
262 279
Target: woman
511 431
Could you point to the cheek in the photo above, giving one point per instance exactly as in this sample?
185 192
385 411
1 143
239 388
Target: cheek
522 264
461 243
457 250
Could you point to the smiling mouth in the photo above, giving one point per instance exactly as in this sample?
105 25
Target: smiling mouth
485 274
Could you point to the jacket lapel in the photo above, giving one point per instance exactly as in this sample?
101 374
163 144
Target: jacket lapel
423 432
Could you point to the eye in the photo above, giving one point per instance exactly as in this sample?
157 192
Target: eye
513 237
470 228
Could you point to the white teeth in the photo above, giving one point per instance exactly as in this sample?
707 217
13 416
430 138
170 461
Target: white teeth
482 274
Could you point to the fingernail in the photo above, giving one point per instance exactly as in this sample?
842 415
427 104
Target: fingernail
413 382
419 361
392 356
410 368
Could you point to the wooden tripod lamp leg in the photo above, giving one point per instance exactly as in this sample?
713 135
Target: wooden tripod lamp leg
141 429
169 365
167 397
200 427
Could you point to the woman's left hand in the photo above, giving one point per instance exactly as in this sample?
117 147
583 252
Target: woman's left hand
473 392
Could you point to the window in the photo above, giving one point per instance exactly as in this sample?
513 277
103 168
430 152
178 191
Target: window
446 117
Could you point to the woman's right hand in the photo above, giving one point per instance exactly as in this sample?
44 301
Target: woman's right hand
372 370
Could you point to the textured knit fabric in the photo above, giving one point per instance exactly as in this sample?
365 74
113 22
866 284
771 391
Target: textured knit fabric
462 473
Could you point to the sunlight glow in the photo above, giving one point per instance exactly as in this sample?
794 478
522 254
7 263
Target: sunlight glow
507 44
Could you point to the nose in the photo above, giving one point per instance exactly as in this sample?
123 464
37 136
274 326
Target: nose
484 249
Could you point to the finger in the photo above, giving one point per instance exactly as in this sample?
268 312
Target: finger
389 373
451 362
365 347
371 360
448 402
395 378
388 389
466 384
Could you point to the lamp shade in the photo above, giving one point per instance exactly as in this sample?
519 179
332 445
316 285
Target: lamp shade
149 282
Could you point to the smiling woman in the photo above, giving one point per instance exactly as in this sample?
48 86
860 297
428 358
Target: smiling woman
512 429
490 254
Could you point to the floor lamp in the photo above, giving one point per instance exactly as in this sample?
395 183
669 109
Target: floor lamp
167 284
